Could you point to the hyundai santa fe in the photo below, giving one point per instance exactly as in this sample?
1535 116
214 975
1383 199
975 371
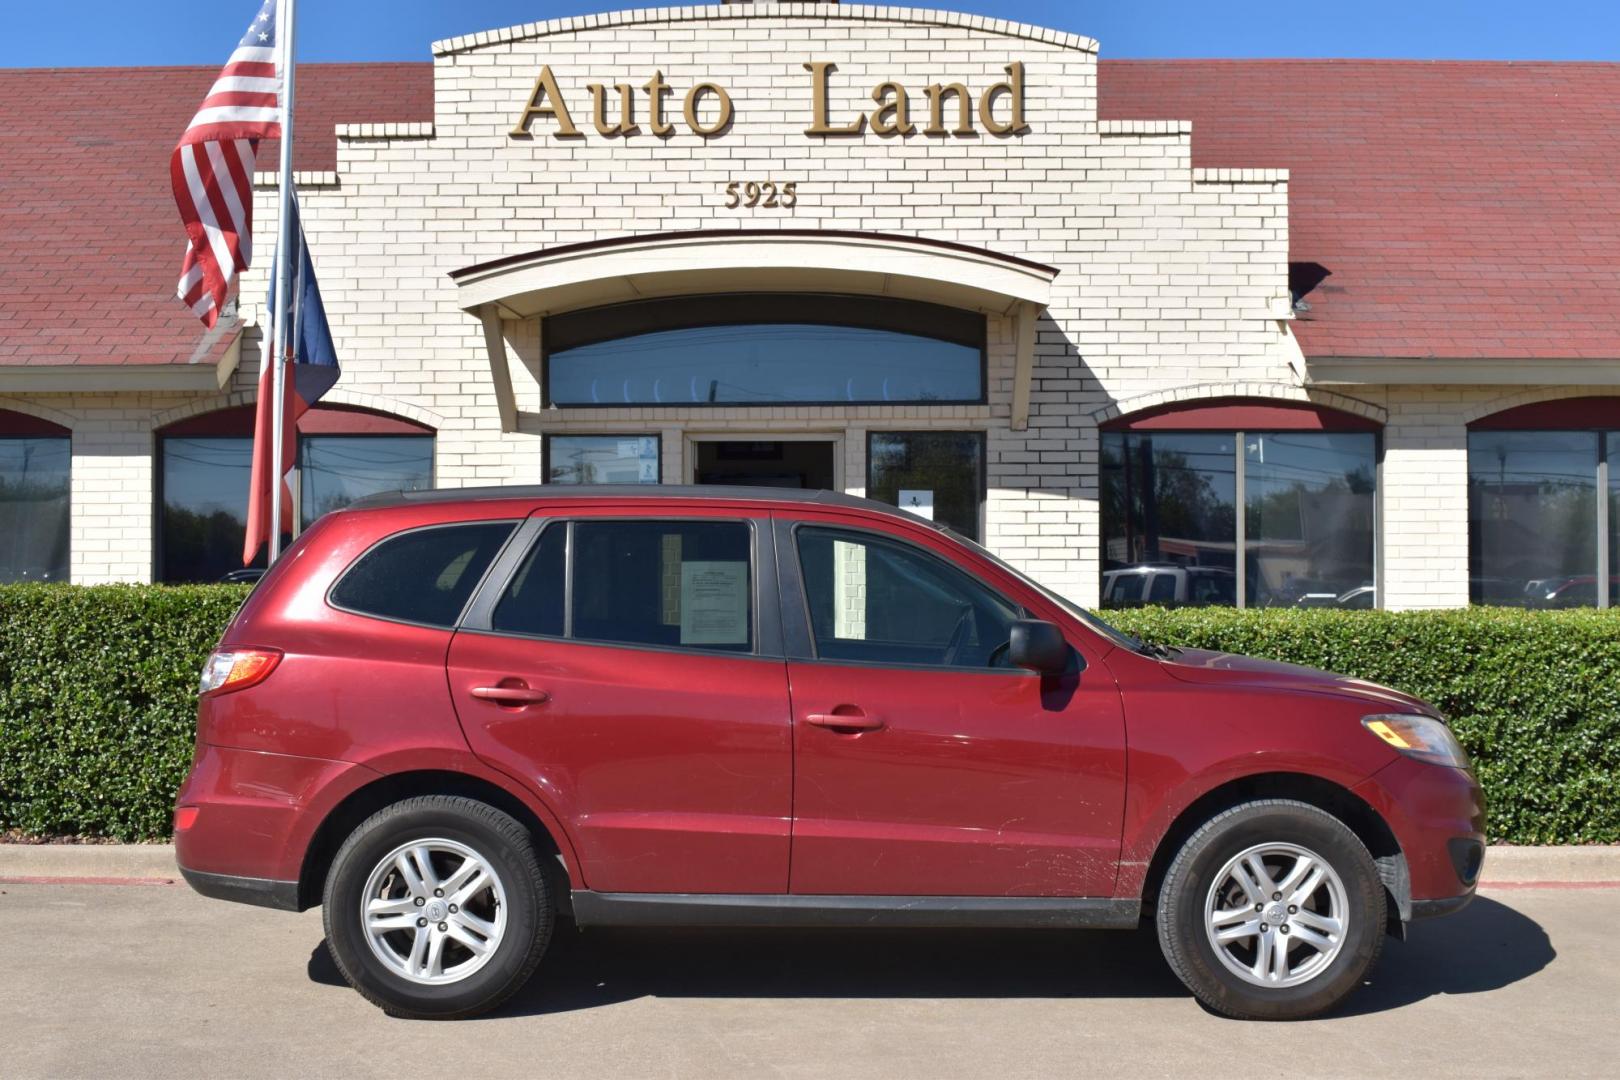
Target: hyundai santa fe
451 718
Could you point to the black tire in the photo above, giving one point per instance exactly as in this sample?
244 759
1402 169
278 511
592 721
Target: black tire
503 844
1188 883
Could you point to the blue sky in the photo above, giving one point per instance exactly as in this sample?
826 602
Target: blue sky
105 32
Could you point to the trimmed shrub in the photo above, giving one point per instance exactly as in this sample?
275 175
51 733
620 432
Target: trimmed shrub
98 702
98 698
1534 696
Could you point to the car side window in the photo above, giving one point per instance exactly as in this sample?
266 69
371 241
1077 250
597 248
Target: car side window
875 600
686 584
532 602
1164 588
421 576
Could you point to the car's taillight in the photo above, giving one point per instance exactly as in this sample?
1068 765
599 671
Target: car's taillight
237 669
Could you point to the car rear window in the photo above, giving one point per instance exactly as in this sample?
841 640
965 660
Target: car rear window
422 576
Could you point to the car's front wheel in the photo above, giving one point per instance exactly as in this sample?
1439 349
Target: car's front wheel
436 908
1273 910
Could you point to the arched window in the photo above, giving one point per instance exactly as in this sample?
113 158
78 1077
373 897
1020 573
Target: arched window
35 463
205 463
764 349
1239 503
1543 504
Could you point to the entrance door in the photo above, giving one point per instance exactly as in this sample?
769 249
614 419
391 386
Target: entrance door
923 764
786 463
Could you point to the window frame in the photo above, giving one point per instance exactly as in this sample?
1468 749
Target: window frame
545 453
765 611
803 650
514 528
1240 493
547 348
983 488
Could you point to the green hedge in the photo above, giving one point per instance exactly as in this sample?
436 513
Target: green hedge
1533 695
98 703
97 698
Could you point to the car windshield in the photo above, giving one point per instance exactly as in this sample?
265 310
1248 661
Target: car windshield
1112 633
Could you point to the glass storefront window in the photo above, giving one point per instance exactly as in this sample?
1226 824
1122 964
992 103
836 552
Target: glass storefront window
1171 529
764 349
1169 504
335 470
204 485
1532 517
1308 501
203 515
937 474
602 459
34 516
1611 459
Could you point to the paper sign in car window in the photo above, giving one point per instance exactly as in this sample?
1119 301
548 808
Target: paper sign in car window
714 603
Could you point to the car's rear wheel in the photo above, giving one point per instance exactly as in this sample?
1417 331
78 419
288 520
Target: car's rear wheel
436 908
1273 910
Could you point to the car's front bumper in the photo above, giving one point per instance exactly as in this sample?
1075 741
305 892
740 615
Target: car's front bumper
1438 817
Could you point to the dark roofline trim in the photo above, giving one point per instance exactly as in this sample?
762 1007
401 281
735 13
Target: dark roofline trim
236 421
719 234
1587 413
17 424
1242 414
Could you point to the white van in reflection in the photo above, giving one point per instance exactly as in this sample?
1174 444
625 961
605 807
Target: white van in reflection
1169 583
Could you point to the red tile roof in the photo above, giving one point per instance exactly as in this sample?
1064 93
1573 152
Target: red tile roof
1458 209
90 241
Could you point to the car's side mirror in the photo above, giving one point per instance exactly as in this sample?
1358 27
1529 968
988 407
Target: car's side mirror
1038 646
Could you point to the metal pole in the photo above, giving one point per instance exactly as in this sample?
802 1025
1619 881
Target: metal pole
284 281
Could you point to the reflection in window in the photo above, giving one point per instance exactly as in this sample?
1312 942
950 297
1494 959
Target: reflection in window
204 510
938 474
764 349
1171 530
1612 458
1532 517
1309 515
1169 505
335 470
34 524
602 459
204 484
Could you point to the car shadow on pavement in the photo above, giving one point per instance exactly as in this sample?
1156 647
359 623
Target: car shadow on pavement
1486 946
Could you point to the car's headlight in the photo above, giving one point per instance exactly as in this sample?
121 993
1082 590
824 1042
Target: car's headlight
1423 737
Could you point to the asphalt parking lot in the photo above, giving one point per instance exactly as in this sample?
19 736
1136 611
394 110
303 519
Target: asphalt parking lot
104 981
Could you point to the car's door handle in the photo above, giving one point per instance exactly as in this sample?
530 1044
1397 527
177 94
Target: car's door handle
850 722
511 695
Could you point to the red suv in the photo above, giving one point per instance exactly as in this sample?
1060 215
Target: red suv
451 717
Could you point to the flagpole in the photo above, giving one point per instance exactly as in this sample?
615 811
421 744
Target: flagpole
280 336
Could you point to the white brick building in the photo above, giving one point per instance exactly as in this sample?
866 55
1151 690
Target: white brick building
1135 369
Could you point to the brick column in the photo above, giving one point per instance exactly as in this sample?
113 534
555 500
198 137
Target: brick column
1425 501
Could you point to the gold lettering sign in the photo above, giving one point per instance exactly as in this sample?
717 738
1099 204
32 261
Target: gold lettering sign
951 108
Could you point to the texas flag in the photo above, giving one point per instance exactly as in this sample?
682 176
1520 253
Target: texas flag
312 368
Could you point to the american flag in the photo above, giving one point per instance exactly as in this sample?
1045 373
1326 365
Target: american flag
212 167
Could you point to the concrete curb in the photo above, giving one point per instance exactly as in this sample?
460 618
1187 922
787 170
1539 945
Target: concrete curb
155 862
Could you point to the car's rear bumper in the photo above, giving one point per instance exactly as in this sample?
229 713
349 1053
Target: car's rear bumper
244 820
261 892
